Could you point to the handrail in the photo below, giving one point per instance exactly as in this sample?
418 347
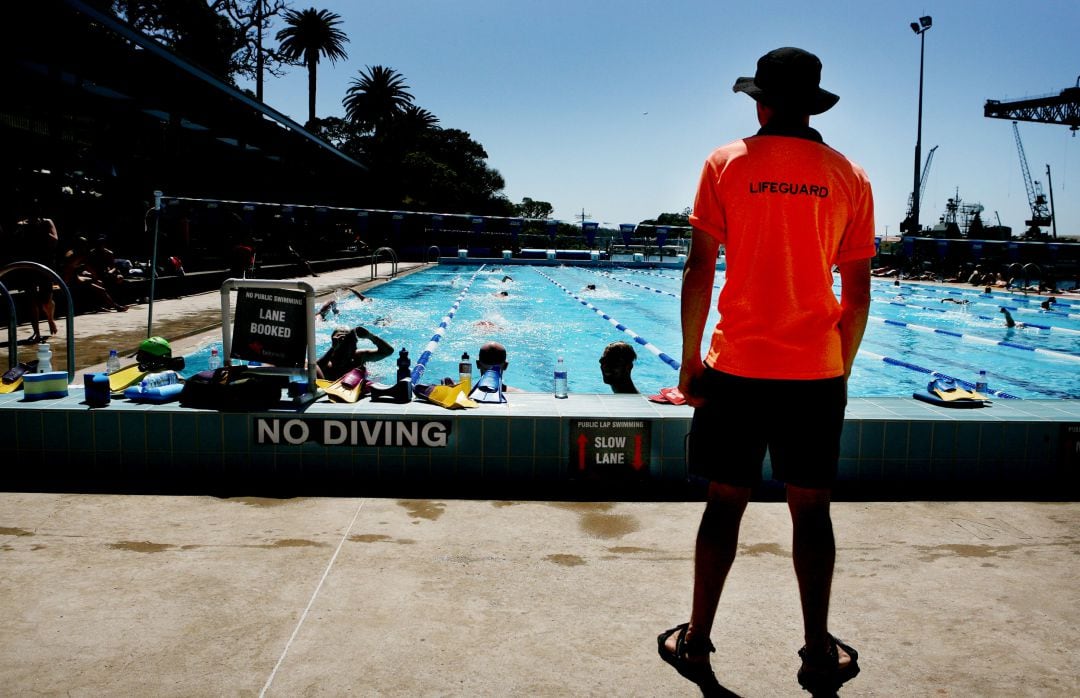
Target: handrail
438 253
393 261
13 329
70 320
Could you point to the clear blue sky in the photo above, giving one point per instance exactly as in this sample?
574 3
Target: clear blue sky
612 106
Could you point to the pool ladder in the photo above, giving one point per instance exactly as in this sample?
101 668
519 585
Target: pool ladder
13 340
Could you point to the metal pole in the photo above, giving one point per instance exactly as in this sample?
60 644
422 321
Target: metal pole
1053 211
153 265
918 139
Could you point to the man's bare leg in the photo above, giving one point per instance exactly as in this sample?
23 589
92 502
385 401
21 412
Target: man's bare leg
714 553
814 553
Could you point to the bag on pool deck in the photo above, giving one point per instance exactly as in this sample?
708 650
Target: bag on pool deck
231 388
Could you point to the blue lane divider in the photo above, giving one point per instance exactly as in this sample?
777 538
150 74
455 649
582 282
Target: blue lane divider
632 283
618 325
998 299
421 363
1051 328
933 374
975 338
719 272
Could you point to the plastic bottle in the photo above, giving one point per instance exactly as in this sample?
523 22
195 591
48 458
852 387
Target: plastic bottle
465 373
560 378
156 380
214 362
44 357
403 364
980 383
112 364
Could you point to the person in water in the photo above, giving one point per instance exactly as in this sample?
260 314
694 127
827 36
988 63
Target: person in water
343 354
616 363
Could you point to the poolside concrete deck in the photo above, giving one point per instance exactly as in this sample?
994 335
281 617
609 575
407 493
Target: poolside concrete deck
166 595
125 595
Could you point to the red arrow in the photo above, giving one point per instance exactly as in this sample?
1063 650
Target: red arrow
581 451
637 451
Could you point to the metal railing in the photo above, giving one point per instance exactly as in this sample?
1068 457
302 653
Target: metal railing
438 253
375 262
41 269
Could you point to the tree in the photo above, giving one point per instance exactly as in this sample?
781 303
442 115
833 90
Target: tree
308 36
252 18
222 36
529 208
376 97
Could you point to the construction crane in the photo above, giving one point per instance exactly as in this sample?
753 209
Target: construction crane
1062 108
1040 211
908 225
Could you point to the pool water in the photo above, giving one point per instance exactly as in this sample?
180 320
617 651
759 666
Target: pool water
548 312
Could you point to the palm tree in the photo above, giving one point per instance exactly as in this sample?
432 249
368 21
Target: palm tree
309 35
376 97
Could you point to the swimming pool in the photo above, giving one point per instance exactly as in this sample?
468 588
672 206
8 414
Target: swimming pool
574 312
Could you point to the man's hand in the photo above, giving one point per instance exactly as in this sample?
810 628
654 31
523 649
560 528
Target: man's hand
690 381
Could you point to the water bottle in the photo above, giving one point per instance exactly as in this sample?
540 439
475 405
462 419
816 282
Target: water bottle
214 362
403 364
156 380
465 373
560 378
112 364
44 357
980 383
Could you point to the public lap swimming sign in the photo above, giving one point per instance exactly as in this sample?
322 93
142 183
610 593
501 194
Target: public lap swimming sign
266 326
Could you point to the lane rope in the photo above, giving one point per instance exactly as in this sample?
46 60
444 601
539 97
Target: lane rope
1051 328
421 363
974 338
933 374
616 324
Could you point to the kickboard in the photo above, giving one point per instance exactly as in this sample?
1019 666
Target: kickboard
125 378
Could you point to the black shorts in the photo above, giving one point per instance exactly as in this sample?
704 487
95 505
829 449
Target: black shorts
798 421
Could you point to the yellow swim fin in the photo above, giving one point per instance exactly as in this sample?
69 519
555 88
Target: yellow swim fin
125 378
449 396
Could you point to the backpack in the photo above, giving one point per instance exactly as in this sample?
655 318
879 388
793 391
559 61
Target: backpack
231 388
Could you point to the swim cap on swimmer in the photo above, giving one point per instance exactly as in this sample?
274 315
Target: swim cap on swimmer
156 346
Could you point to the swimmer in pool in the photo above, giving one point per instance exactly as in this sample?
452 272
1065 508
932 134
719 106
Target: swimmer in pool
616 363
1009 322
494 354
343 355
328 307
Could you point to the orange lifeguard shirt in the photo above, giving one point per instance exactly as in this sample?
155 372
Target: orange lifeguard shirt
786 208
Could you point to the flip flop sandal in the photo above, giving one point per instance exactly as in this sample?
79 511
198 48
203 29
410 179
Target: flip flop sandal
17 371
696 672
820 673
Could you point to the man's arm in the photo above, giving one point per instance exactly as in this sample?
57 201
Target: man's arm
854 308
382 347
696 301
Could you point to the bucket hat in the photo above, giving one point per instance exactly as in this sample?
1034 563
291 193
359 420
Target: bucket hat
788 79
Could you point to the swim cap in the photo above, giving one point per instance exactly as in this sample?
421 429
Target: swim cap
156 346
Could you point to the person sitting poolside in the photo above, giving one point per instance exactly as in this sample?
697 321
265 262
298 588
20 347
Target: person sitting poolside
616 363
343 356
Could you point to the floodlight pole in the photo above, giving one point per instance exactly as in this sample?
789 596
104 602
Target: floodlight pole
919 28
